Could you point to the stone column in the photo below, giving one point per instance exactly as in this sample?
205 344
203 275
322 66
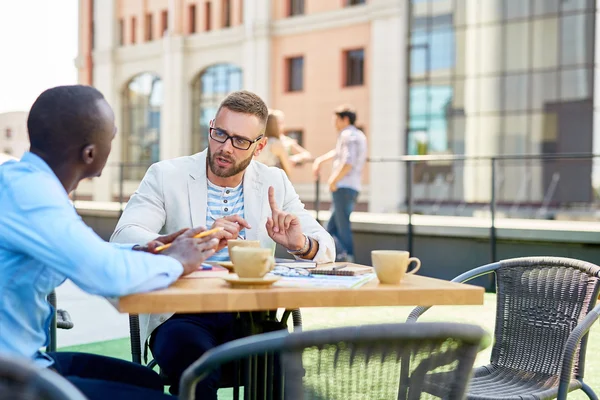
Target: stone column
388 97
257 48
105 29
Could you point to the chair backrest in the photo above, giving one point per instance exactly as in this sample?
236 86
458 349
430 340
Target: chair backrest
21 380
390 361
540 300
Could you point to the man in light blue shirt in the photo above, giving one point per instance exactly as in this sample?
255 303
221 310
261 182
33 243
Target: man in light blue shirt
43 242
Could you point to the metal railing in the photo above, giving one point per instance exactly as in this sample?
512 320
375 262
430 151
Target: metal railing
554 168
527 186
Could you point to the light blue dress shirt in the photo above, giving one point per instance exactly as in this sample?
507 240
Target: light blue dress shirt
43 242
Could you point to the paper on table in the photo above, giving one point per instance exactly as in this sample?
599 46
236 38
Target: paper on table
325 281
286 262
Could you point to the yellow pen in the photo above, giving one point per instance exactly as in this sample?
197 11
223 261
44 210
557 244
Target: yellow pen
198 236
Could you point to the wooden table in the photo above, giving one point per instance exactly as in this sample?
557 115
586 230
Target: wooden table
215 295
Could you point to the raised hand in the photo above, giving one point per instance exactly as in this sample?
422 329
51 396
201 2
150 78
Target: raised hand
282 227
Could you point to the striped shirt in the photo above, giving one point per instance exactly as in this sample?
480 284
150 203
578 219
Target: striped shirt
224 201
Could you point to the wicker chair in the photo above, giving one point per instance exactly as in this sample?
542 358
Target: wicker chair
388 361
545 308
227 378
61 320
21 380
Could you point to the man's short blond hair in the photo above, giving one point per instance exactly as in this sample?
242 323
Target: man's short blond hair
246 102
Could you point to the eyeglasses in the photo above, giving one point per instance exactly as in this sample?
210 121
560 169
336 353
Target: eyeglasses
287 271
240 143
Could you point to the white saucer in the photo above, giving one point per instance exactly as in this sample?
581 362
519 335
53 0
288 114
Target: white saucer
237 282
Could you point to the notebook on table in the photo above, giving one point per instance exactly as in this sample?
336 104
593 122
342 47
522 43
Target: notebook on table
341 269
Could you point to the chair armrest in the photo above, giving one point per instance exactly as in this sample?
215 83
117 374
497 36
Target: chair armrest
259 344
571 348
462 278
63 320
134 338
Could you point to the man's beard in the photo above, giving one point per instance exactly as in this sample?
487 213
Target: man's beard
232 170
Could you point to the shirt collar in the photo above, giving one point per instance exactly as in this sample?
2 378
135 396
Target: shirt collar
38 163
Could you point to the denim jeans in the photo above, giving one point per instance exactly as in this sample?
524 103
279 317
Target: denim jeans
338 226
100 378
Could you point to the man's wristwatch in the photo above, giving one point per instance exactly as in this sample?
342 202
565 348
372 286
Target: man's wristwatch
304 250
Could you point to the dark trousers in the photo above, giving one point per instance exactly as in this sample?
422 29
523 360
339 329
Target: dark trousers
338 226
183 339
101 378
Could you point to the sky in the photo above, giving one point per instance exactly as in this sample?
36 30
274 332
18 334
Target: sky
38 46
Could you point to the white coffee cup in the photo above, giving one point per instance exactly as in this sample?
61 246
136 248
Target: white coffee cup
252 262
241 243
391 265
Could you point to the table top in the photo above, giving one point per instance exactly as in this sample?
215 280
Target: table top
215 295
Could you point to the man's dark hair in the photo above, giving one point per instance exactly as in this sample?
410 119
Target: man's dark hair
63 118
246 102
346 110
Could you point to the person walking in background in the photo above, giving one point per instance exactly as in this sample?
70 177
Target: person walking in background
296 153
274 154
349 157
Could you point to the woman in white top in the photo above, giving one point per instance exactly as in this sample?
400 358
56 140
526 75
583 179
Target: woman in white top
296 153
274 153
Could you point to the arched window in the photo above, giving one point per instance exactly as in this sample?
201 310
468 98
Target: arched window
208 90
142 102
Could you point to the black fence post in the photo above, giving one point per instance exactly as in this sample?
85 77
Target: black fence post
409 195
317 197
121 180
493 212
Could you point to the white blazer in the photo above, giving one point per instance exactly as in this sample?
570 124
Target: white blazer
173 195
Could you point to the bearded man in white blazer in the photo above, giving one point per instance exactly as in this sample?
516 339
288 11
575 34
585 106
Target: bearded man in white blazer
221 186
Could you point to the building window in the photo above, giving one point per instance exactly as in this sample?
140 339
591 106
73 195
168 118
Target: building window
207 16
142 103
226 13
354 67
164 22
8 133
297 135
133 29
208 90
295 7
121 32
354 2
148 27
295 74
192 18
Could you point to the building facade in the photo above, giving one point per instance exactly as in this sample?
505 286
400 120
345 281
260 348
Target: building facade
14 140
165 65
428 77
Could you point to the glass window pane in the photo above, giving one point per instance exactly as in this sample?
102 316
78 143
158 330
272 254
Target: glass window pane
543 7
577 36
544 90
460 44
418 101
489 94
517 46
517 9
442 49
516 88
575 84
545 43
514 139
574 5
418 60
458 98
